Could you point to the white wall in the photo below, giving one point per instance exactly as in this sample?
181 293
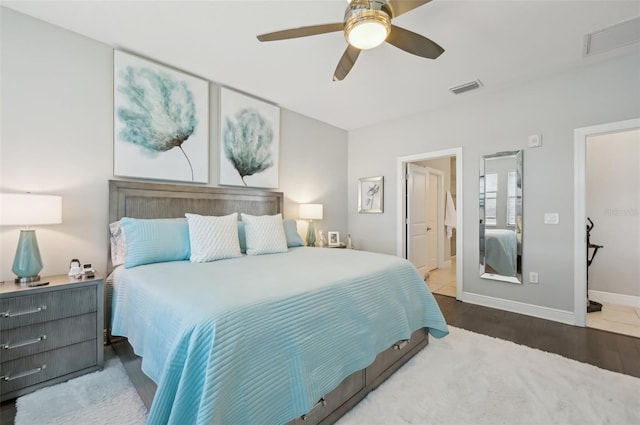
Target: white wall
554 107
57 138
613 204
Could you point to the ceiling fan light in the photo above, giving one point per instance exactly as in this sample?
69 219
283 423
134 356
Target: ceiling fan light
366 29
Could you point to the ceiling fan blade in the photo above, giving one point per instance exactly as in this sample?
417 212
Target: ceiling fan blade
414 43
346 63
397 7
302 32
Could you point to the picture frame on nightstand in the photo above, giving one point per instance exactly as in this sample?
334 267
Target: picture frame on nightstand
334 238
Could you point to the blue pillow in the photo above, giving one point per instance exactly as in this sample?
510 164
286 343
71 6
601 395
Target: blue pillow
291 233
155 241
242 237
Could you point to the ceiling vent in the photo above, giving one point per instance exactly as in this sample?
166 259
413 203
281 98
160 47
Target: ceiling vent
471 85
618 35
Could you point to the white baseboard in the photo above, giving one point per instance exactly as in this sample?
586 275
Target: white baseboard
612 298
548 313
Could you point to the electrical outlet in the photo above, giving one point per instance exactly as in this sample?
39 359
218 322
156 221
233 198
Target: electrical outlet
533 277
551 218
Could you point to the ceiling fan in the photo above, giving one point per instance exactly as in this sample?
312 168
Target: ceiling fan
367 24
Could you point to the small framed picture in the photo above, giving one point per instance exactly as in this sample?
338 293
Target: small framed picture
371 195
334 238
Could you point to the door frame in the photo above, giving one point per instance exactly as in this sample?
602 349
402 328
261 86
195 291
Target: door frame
401 206
580 136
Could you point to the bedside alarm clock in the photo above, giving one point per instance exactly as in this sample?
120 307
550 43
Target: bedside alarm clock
88 271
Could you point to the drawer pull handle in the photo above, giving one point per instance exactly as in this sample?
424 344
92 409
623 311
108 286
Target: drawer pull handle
400 345
321 402
22 313
23 374
24 343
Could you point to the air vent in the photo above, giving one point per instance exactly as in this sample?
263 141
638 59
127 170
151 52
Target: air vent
471 85
618 35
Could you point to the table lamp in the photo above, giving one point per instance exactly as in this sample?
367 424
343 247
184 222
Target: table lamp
26 209
311 212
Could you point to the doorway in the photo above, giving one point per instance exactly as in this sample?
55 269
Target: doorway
604 215
426 182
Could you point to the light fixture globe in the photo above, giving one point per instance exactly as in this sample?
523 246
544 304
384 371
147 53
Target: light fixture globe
367 28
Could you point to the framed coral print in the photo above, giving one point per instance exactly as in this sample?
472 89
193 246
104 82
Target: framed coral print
371 195
161 121
249 141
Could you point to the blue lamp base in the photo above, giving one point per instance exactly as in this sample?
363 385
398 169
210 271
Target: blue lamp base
27 263
311 234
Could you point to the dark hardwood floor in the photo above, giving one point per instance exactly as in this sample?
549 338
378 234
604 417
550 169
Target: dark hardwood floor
619 353
607 350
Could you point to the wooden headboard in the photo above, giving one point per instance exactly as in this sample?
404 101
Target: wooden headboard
153 200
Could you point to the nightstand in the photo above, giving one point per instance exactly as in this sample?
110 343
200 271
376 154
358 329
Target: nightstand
49 334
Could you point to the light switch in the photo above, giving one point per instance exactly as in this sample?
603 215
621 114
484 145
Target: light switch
535 140
551 218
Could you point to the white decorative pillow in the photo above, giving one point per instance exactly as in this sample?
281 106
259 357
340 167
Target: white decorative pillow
213 238
264 234
118 244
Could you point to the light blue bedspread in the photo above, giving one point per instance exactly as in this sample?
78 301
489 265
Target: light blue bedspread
500 249
259 340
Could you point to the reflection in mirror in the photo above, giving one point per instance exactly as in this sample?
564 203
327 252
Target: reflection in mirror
501 216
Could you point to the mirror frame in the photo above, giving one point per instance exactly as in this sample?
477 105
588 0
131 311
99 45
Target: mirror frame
517 156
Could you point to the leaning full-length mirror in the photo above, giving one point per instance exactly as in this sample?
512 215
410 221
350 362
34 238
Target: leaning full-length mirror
501 216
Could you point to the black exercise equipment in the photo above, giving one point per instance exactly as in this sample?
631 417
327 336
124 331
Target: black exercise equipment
591 305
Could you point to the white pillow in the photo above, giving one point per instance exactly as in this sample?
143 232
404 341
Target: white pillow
118 244
264 234
213 238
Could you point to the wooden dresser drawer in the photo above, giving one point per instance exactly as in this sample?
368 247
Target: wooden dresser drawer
29 340
388 357
43 307
25 371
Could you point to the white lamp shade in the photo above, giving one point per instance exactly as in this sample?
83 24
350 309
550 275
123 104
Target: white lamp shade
25 209
311 211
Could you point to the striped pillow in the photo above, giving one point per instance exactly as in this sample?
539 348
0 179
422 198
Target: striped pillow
264 234
155 240
213 238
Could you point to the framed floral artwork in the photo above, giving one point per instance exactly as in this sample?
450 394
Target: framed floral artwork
161 121
371 195
249 141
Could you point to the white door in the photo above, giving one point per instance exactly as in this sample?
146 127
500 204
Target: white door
432 221
417 226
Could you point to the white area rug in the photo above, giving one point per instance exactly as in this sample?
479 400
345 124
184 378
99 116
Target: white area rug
465 378
468 378
104 397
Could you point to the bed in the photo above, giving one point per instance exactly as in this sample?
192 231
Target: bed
301 335
501 251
